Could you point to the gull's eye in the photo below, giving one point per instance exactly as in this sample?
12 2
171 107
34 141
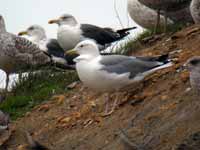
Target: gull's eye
64 17
81 46
194 62
31 28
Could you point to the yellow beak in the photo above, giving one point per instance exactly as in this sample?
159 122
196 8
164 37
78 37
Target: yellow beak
22 33
53 21
71 52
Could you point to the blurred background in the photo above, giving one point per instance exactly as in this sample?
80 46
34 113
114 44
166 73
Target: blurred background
21 14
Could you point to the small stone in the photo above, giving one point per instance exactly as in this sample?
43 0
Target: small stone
164 97
44 108
72 85
22 147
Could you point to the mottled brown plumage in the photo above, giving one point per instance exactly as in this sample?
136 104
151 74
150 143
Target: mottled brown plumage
195 10
166 6
193 65
17 53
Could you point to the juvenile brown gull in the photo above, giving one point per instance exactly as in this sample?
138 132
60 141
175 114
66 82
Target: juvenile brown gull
195 10
17 53
166 6
193 65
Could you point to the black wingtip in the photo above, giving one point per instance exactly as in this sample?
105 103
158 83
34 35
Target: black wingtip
164 58
122 31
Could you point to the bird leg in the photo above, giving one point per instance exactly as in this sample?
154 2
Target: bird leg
165 24
7 82
107 112
157 22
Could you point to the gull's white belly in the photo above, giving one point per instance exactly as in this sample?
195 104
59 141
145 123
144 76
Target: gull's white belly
100 80
68 37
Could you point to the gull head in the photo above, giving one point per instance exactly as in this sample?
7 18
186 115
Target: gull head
193 63
34 31
87 49
65 19
2 24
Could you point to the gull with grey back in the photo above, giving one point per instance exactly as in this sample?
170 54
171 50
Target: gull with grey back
70 33
112 72
17 53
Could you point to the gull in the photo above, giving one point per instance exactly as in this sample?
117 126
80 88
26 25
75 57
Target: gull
193 65
195 10
37 35
166 6
18 53
112 72
70 33
145 16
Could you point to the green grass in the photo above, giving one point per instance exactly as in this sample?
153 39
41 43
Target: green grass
136 44
34 89
133 44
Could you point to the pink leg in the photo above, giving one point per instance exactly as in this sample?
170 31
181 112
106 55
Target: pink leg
107 112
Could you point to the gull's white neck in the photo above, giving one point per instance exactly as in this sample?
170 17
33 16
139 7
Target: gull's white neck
68 36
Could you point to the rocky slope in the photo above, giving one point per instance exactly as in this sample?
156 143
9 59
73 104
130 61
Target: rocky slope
160 114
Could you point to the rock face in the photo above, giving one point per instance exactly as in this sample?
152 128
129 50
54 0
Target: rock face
146 17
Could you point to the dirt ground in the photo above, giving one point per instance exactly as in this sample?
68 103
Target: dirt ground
161 113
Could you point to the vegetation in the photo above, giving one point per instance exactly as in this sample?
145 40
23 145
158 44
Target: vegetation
136 43
133 44
35 88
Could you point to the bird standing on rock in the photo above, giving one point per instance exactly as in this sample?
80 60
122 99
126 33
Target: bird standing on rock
112 72
70 33
18 53
166 6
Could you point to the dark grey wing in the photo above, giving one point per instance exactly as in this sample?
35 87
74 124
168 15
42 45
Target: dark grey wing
101 35
29 53
124 64
54 48
162 58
